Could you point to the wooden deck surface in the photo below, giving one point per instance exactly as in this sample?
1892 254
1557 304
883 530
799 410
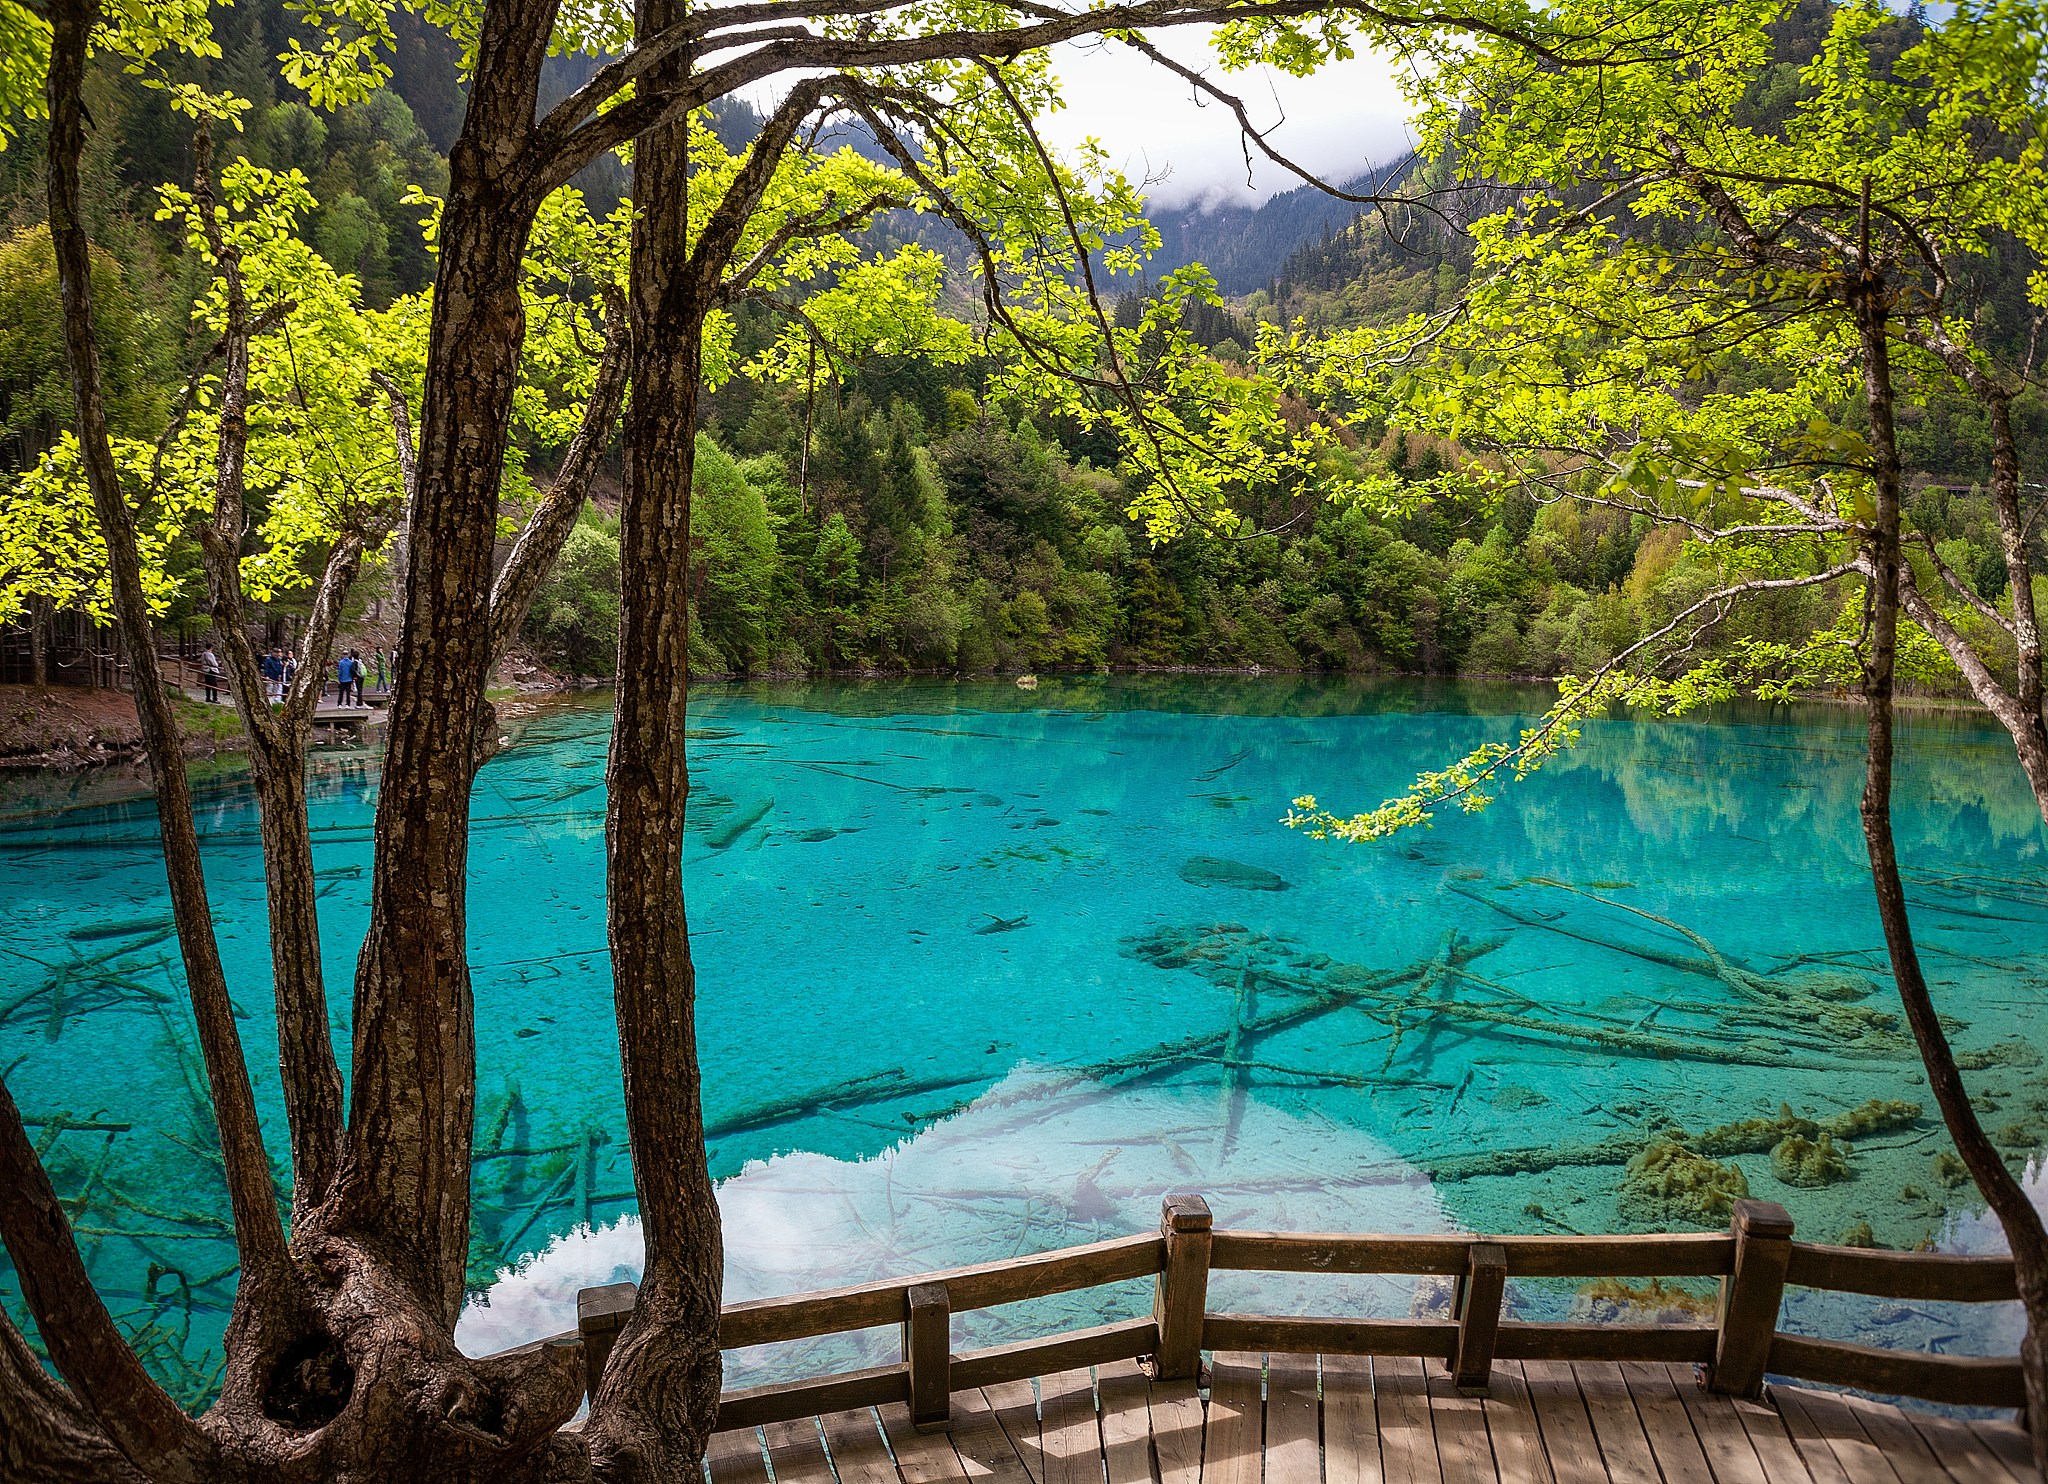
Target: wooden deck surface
1351 1420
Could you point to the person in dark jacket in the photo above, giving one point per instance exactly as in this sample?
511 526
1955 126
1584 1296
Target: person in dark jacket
273 677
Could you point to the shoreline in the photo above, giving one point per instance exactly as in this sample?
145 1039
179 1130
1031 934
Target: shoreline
110 737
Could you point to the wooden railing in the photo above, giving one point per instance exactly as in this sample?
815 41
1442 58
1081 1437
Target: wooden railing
1755 1260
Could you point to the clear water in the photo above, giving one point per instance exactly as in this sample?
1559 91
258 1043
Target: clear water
959 948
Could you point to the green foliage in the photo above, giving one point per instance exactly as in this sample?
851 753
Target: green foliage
575 615
35 383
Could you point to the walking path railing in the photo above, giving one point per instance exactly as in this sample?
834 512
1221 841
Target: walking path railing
1755 1260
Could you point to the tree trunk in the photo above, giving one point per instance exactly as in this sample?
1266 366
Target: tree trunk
257 1230
46 1436
2022 1223
311 1078
39 621
403 1188
658 1399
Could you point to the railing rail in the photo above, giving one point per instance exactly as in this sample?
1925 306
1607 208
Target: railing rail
1755 1260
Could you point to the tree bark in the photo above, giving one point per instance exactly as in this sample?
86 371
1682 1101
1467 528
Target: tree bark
533 555
39 621
258 1232
2020 712
403 1187
658 1399
2016 1214
46 1437
138 1418
311 1078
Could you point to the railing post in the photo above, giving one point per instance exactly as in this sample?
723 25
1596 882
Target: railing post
1479 1298
1181 1294
927 1350
600 1314
1748 1312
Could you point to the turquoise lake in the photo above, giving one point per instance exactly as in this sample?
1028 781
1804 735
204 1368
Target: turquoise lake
985 971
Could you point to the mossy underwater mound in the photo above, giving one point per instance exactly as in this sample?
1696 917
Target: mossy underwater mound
1669 1182
1755 1135
2012 1052
1611 1301
1751 1135
1799 1160
1878 1116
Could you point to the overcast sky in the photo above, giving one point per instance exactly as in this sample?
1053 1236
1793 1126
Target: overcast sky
1346 118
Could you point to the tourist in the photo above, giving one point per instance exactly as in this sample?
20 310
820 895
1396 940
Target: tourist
341 677
355 675
273 677
383 682
290 673
209 673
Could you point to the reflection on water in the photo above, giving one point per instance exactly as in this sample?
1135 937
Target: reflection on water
985 971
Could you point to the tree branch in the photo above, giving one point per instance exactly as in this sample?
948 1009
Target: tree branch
533 555
83 1341
258 1232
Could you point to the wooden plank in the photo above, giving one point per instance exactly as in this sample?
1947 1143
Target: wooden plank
1063 1352
1905 1275
788 1401
1068 1433
1616 1424
921 1457
1685 1254
858 1456
2012 1447
1126 1425
1687 1343
1820 1460
1730 1454
1351 1429
1511 1424
797 1453
1231 1451
1479 1316
1775 1449
986 1454
1015 1405
1437 1338
1862 1460
1666 1423
1568 1442
1294 1437
735 1457
1961 1380
1904 1449
1175 1412
1463 1450
863 1305
1751 1296
1336 1252
1961 1451
1180 1295
927 1326
1407 1431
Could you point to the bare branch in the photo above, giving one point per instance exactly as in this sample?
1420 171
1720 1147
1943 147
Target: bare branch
811 224
1956 583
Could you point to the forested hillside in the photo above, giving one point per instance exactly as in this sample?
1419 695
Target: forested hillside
894 515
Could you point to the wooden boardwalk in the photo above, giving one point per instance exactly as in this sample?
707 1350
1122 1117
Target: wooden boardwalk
1355 1420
